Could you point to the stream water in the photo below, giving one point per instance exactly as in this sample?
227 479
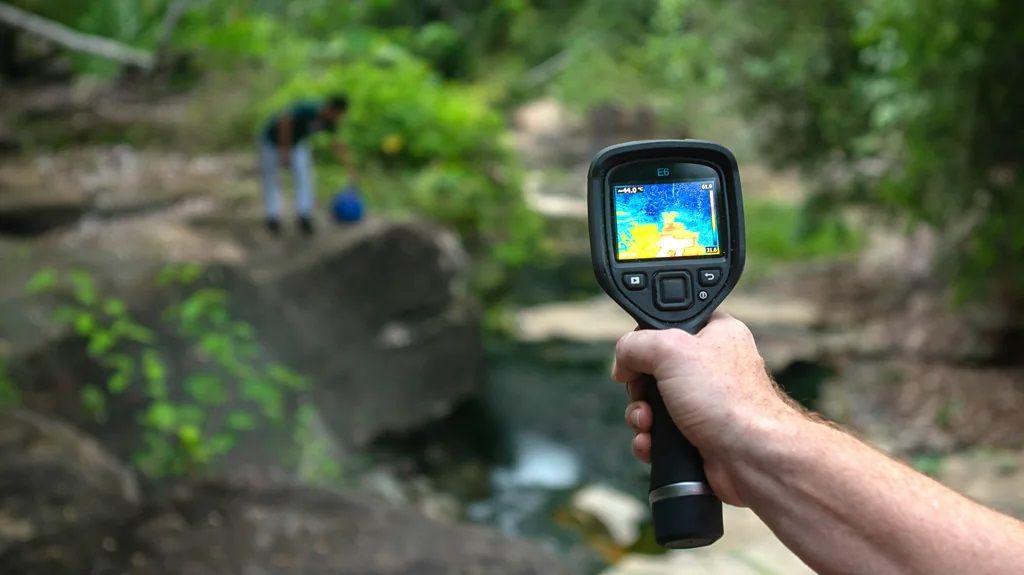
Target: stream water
564 419
547 422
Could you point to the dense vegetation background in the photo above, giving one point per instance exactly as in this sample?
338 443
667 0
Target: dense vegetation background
855 121
908 106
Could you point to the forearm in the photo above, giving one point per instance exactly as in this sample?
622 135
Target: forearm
341 153
284 137
846 508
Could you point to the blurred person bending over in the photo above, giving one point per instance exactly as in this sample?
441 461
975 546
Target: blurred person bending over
840 505
284 141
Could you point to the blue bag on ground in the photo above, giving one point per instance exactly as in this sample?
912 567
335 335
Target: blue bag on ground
347 205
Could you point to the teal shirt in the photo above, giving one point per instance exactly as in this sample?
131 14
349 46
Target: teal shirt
306 120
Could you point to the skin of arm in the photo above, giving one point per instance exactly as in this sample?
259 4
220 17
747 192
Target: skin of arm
840 505
344 158
284 140
341 151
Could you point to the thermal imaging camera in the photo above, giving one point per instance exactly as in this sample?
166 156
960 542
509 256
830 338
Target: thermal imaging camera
666 239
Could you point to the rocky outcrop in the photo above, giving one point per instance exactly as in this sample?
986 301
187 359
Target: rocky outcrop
51 192
53 480
379 317
69 507
376 314
220 528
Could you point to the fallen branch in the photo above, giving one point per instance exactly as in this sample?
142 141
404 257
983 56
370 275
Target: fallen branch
74 40
175 10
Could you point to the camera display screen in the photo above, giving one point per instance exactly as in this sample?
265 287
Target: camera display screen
666 220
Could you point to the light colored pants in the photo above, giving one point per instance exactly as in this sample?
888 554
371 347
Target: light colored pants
302 172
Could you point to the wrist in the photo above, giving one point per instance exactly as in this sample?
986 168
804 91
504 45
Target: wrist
758 435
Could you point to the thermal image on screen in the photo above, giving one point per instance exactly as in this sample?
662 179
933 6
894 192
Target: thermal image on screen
669 220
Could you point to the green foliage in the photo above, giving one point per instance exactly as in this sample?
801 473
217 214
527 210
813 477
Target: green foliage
423 145
133 22
928 463
94 402
9 394
778 231
104 325
912 106
318 463
43 281
228 390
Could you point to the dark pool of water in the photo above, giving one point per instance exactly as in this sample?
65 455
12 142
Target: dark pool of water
548 421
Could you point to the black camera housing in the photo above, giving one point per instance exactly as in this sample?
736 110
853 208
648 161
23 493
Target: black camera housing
640 162
672 281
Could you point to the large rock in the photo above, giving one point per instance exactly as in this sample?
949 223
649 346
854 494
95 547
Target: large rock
67 506
54 191
379 317
377 314
55 480
216 528
221 528
620 514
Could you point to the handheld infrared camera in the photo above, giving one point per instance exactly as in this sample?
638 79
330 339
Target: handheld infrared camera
666 239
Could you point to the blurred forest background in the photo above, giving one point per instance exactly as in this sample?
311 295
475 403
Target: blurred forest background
426 391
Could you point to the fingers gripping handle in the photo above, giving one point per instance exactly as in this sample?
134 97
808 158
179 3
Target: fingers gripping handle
686 513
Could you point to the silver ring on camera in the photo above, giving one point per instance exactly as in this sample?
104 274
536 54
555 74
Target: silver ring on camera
680 489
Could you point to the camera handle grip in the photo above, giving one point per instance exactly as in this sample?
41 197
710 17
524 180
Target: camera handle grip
685 511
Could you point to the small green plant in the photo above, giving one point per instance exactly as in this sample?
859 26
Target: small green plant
109 332
193 415
318 463
928 463
948 414
8 391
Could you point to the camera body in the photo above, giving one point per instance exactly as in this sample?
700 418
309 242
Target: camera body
673 271
667 244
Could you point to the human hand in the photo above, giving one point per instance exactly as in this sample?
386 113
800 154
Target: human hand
714 385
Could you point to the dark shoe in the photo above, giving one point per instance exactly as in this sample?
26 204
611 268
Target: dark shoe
306 225
274 226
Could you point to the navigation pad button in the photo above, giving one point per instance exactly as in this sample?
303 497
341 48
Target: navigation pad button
672 290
